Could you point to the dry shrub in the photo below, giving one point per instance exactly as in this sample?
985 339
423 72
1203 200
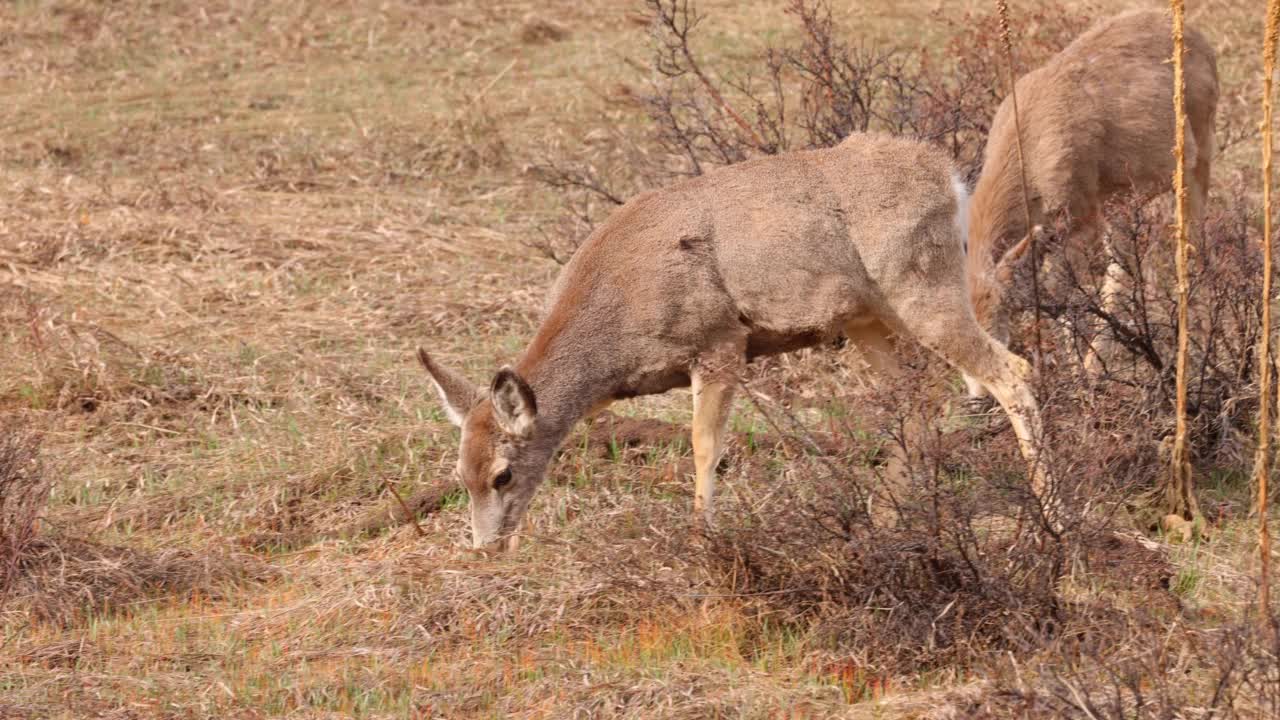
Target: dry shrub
939 566
59 579
24 492
64 580
809 94
1143 670
1138 377
964 85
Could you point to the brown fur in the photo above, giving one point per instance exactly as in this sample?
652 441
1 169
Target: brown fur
684 284
1097 120
481 423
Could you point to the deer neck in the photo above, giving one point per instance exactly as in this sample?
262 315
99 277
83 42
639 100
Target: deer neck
997 219
571 370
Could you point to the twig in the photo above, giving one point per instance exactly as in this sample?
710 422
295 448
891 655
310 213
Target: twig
679 27
1262 465
484 90
1002 7
408 514
1049 500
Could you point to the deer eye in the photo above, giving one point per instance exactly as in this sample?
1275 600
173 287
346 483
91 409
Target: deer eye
503 478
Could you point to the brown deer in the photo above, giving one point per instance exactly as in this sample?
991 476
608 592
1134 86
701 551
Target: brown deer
684 285
1097 121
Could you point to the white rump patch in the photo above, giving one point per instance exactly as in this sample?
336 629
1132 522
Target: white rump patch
961 192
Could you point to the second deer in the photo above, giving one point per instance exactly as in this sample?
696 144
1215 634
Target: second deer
1097 122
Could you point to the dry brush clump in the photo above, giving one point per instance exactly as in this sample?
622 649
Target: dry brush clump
948 571
1137 371
907 539
1143 668
66 580
48 575
24 492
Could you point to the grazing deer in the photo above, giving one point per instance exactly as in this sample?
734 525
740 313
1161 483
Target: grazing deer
1097 121
683 286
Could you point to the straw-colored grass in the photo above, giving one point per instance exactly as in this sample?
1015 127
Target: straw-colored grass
226 225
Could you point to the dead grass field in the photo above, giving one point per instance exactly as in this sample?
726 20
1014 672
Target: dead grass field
225 227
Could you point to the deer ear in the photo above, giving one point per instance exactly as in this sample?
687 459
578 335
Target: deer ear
513 403
457 394
1018 255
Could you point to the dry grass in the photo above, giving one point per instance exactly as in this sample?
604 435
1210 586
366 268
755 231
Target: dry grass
227 225
24 492
69 581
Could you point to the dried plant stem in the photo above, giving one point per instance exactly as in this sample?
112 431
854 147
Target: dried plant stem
1002 7
1180 495
1262 465
679 20
409 515
724 104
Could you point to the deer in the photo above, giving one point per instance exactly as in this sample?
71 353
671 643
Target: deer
685 285
1097 122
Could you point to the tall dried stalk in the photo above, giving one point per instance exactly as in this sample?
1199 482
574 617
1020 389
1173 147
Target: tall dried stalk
1180 497
1002 8
1262 466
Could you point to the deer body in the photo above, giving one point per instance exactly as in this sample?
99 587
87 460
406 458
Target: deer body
684 285
1097 121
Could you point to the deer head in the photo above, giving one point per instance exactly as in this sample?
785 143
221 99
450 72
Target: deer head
501 461
987 286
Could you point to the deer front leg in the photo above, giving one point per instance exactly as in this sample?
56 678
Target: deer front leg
942 320
712 400
1009 379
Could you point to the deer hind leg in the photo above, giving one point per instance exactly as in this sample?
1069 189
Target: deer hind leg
942 321
875 343
713 390
1198 180
1197 196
